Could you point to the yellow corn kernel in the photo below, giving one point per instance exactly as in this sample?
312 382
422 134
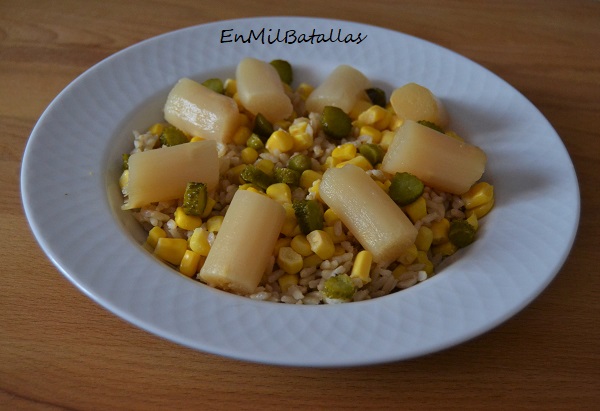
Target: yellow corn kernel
298 127
249 155
157 129
124 179
301 245
280 192
330 217
289 211
362 266
295 231
315 189
395 122
187 222
360 107
236 98
371 132
287 280
198 241
308 177
409 256
283 124
302 139
213 224
288 89
454 135
339 250
386 138
281 141
312 260
479 194
255 189
189 263
245 120
344 152
266 166
230 87
321 244
472 219
423 259
241 135
481 210
210 203
246 186
170 250
304 90
233 174
335 237
375 116
398 271
290 261
424 238
154 234
439 230
359 161
416 210
330 162
290 223
196 138
445 249
382 185
280 243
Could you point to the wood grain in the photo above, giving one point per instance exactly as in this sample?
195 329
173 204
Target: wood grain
61 351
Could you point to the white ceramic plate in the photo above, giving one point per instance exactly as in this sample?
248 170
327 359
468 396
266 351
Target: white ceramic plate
71 197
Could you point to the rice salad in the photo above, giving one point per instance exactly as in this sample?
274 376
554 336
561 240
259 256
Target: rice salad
313 244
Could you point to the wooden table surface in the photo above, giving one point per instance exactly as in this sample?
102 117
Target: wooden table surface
60 350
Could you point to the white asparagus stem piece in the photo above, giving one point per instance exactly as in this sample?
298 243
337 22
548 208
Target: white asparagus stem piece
260 90
343 88
415 102
379 225
241 251
162 174
199 111
440 161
